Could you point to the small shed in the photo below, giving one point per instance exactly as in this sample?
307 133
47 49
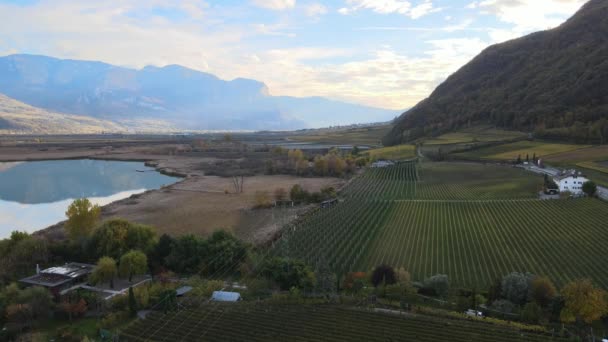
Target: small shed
223 296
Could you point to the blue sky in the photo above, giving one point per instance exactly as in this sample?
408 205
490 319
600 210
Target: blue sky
385 53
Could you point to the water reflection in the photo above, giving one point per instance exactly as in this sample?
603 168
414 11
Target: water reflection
34 195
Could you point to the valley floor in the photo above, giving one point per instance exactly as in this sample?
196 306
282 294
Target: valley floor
197 204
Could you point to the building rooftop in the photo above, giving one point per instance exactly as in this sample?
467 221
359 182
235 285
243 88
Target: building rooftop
55 276
223 296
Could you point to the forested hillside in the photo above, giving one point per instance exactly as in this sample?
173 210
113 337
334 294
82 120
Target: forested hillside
553 83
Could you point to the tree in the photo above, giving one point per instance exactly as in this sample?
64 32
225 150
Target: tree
298 194
262 200
589 188
132 302
160 252
439 283
38 299
542 291
403 277
515 287
83 216
105 271
115 237
320 166
583 302
280 194
288 273
531 313
74 309
132 263
383 275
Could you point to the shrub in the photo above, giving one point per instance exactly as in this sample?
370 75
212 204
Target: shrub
439 283
531 313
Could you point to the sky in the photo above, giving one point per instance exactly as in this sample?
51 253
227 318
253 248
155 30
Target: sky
383 53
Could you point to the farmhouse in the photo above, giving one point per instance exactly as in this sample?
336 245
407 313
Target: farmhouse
571 182
59 278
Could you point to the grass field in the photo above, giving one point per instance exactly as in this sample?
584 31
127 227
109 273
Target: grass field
472 135
248 322
368 136
399 152
463 223
590 154
511 151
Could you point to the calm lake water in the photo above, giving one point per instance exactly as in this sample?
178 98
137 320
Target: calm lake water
35 195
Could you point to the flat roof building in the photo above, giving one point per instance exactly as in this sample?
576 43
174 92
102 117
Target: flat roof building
59 278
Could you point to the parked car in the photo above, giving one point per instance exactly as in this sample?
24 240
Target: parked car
473 313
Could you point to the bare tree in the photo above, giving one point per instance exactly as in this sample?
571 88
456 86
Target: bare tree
238 183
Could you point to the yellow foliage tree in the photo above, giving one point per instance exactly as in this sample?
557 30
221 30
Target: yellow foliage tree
83 216
583 302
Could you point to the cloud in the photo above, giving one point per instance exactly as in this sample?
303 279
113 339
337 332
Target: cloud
273 30
315 10
386 78
276 5
528 15
389 7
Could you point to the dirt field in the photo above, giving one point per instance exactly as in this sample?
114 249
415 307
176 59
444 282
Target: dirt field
198 204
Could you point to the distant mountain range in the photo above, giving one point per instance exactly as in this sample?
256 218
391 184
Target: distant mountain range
178 96
553 83
19 118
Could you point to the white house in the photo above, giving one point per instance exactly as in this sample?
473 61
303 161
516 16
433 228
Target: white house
572 182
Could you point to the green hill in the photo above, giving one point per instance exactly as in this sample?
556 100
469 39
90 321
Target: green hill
553 83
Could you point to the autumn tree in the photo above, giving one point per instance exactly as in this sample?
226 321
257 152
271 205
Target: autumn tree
262 199
583 302
320 166
132 263
105 271
542 291
83 216
73 308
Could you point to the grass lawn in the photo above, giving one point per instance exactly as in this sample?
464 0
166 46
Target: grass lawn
521 148
392 152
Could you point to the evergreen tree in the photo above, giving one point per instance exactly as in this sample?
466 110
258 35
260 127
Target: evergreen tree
132 302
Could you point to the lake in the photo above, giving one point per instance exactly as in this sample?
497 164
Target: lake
35 195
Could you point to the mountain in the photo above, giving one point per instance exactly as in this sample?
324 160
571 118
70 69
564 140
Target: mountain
187 98
18 118
553 83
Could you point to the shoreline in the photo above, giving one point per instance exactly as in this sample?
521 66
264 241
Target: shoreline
196 203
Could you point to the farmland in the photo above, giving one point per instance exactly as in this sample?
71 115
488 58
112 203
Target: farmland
521 148
473 135
398 152
455 219
246 322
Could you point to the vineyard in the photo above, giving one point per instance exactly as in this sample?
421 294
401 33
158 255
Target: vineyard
250 322
433 219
